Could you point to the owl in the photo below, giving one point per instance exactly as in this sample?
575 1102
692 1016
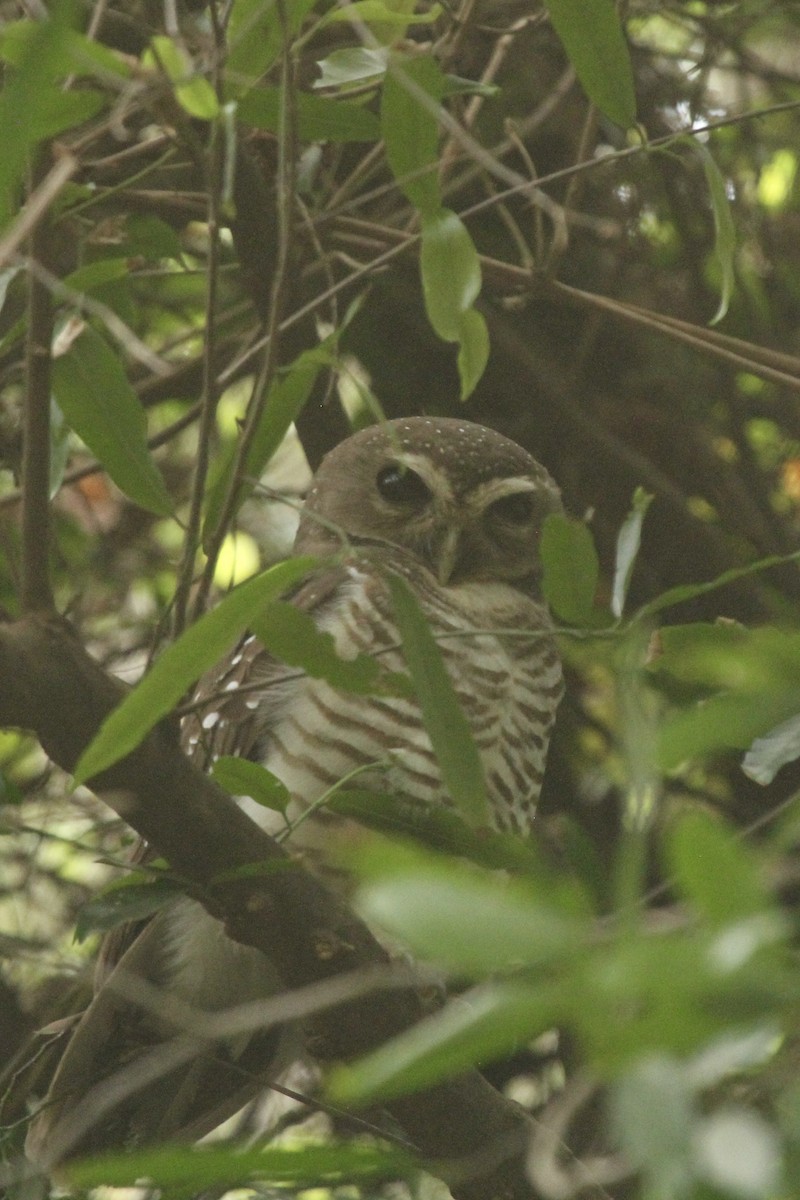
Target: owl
456 510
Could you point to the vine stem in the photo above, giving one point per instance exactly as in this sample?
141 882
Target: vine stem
36 594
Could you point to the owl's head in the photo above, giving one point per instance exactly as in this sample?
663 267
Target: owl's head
467 502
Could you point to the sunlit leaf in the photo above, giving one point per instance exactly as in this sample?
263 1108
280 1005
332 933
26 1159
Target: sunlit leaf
571 568
595 44
375 12
628 542
182 664
724 227
738 1151
93 393
188 1169
652 1107
192 91
241 777
448 729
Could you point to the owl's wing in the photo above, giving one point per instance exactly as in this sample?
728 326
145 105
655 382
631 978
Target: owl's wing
229 714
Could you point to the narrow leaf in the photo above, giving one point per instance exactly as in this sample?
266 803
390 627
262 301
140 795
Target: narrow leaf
293 637
182 664
451 272
690 591
285 401
474 1029
595 44
412 91
98 402
571 568
448 729
629 540
125 900
724 228
241 777
183 1170
473 350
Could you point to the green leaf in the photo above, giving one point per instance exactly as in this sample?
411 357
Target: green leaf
571 568
473 350
478 1027
319 118
355 65
629 540
98 402
185 1169
448 729
724 228
411 132
255 38
79 55
293 637
468 921
151 237
451 272
286 398
182 664
241 777
57 110
375 12
690 591
193 92
595 44
26 98
125 900
712 869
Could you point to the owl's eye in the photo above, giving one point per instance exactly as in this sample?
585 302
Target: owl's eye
399 485
516 509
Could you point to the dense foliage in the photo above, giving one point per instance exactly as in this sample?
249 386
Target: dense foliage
228 232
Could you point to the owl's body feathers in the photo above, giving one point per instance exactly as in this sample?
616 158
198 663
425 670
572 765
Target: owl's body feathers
457 511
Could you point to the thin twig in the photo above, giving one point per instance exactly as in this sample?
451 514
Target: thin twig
210 394
37 205
36 594
287 141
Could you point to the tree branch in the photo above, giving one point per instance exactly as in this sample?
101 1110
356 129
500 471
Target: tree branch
472 1135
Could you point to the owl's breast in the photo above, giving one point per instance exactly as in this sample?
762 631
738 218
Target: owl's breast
508 685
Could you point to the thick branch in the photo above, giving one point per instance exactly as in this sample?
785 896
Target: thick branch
51 687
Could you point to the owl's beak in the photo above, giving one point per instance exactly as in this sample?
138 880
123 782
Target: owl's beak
448 555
